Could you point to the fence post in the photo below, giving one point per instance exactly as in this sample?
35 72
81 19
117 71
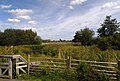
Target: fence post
118 74
28 64
10 67
69 62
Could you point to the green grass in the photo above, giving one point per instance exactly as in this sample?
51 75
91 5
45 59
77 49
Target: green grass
62 51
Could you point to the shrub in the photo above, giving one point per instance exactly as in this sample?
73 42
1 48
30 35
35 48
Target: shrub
85 73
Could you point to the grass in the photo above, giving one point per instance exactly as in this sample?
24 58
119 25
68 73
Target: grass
62 51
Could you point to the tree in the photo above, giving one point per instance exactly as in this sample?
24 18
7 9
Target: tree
19 37
109 27
109 34
84 36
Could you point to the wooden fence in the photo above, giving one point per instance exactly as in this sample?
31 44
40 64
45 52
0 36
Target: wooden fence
110 69
11 65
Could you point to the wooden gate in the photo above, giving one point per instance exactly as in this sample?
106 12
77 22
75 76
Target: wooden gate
110 69
11 65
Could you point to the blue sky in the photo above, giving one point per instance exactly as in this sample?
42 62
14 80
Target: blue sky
56 19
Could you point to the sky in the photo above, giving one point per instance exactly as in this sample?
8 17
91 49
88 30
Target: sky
56 19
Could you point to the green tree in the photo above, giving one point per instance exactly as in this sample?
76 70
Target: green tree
85 36
19 37
109 27
109 34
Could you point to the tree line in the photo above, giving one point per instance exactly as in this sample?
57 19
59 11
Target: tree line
19 37
108 35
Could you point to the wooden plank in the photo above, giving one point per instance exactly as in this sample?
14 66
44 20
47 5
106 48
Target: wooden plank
0 71
20 63
113 75
23 70
9 56
109 67
112 63
21 66
48 58
52 66
5 71
52 62
17 69
106 71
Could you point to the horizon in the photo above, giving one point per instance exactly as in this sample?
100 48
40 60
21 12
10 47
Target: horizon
56 19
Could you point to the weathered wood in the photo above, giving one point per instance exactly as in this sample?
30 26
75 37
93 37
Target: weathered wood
106 71
10 67
0 71
96 62
17 69
13 63
19 63
5 71
109 67
51 62
28 64
10 56
62 59
21 66
23 70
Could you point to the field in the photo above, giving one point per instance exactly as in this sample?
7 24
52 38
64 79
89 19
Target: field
61 50
91 53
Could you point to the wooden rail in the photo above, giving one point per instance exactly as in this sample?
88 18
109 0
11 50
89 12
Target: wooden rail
108 68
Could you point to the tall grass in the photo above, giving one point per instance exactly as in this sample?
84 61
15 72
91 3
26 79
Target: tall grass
62 51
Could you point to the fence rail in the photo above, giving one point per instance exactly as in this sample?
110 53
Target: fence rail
110 69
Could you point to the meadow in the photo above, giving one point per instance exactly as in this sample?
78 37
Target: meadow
58 50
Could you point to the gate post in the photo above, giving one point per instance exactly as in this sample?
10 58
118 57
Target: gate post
69 62
10 67
28 64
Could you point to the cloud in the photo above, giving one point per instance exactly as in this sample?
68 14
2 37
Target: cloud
71 7
20 12
13 20
32 22
113 5
5 6
67 28
26 17
76 2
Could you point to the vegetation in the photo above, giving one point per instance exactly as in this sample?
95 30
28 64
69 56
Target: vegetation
108 35
23 42
19 37
85 36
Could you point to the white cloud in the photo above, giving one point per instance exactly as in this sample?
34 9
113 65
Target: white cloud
114 5
32 22
67 28
77 2
20 12
71 7
24 17
13 20
5 6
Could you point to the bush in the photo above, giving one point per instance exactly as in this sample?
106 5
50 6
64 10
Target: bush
85 73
